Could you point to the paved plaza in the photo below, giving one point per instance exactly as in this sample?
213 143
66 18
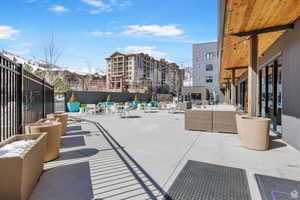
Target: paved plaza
140 156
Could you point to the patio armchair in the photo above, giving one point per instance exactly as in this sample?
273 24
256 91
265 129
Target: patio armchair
91 108
162 106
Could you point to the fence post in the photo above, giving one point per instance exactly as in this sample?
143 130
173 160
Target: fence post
20 103
44 98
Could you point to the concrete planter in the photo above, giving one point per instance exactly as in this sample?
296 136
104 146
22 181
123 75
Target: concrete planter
63 118
238 117
19 175
73 106
254 132
54 130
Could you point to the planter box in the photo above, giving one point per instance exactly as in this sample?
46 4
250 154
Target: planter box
19 175
54 130
73 106
136 103
110 103
254 132
63 118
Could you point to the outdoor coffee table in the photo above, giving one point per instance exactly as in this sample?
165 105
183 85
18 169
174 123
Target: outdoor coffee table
53 130
63 118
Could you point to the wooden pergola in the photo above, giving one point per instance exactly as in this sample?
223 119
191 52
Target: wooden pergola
247 29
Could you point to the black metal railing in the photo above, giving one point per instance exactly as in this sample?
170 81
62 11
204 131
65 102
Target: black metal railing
25 98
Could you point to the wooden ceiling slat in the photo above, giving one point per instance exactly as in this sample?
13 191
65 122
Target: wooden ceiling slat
249 15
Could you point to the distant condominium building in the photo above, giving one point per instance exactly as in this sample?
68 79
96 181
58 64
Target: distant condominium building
206 69
142 73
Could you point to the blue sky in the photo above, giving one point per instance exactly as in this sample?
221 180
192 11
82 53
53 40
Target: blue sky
87 31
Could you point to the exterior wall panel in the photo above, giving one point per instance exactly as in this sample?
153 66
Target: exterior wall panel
289 47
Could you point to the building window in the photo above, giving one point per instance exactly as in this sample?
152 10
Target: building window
209 67
209 55
209 79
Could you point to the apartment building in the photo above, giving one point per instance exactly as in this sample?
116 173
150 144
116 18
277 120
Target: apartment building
206 69
188 79
142 73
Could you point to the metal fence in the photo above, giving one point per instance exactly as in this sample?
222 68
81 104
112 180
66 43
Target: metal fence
25 98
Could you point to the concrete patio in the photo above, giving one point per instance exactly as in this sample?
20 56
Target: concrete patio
139 157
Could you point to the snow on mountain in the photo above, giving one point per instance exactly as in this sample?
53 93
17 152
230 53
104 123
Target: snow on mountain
38 65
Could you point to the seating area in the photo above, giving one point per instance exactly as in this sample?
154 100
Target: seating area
215 118
128 107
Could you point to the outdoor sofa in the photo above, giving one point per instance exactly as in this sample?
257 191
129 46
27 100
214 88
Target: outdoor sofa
184 106
211 120
198 120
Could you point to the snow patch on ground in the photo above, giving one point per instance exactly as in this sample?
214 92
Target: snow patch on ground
15 148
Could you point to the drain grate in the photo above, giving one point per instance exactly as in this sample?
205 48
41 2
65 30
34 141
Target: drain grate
204 181
272 188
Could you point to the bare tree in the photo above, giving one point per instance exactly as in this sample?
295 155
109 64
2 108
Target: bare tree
51 52
49 55
87 78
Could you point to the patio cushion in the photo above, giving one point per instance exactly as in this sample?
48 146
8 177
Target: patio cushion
224 121
198 120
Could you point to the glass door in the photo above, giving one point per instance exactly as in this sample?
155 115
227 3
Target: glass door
271 94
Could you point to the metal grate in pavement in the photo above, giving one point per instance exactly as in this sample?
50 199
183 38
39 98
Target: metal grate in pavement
204 181
272 188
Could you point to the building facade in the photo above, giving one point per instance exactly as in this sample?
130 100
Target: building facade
142 73
206 68
188 77
263 83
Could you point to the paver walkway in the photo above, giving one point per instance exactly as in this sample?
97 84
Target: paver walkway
131 158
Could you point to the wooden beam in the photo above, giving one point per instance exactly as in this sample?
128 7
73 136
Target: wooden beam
252 76
264 30
236 68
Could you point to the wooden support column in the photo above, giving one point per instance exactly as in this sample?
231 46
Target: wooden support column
252 76
233 93
227 93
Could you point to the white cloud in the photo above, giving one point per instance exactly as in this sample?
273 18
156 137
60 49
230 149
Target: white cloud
99 6
156 30
58 9
8 33
122 4
151 50
100 33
